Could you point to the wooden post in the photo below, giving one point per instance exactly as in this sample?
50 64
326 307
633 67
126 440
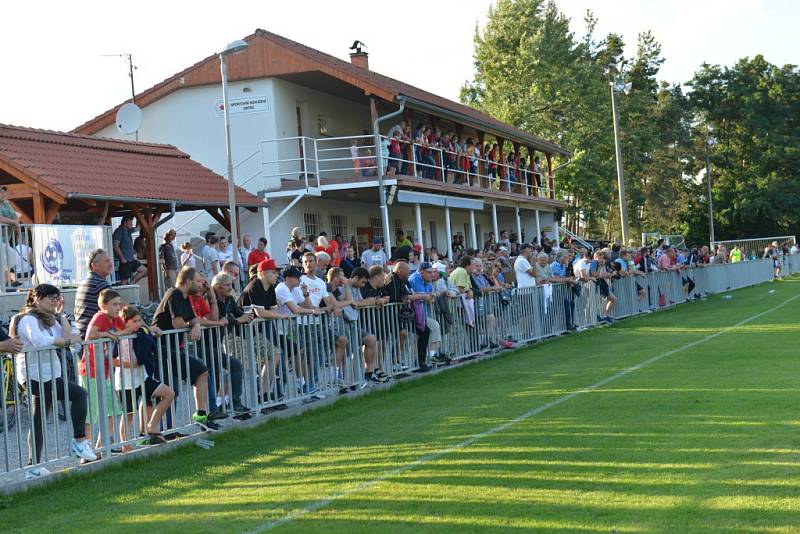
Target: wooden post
482 170
38 208
409 148
550 176
501 161
517 170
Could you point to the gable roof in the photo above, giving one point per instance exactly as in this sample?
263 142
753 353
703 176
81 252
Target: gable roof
69 165
260 60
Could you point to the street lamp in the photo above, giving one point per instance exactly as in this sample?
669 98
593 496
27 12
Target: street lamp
708 144
617 85
234 47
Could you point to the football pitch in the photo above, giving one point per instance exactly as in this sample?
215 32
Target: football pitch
679 421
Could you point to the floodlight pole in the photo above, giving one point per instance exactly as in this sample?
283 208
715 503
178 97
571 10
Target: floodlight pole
223 66
623 208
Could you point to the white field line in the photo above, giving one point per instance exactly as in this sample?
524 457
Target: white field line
313 507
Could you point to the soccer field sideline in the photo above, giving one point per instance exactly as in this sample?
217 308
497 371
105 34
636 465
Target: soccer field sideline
292 512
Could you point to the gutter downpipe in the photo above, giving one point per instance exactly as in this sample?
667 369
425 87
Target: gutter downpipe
381 170
157 274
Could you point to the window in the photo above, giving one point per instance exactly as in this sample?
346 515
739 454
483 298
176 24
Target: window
311 221
338 225
377 226
398 225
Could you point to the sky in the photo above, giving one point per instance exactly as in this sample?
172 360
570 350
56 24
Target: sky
59 69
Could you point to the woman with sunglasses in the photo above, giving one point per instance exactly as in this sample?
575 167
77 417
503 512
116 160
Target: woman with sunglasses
41 326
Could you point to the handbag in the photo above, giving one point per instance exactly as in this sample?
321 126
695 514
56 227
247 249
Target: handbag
420 318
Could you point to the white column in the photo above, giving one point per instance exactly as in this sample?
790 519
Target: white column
449 232
267 233
418 214
494 221
538 227
472 229
555 228
519 227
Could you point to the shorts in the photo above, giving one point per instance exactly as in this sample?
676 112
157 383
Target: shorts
192 371
110 399
128 269
150 387
639 287
129 398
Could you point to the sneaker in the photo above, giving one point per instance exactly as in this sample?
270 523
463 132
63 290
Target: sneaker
378 378
83 450
37 472
216 415
241 408
423 368
204 423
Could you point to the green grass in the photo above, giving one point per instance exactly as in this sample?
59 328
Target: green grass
704 440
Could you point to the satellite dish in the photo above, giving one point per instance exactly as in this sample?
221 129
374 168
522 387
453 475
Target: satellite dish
129 118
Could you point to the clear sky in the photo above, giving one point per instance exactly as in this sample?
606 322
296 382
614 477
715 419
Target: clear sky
55 74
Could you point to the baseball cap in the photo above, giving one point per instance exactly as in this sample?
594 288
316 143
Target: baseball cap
377 241
503 249
292 272
267 265
425 266
439 266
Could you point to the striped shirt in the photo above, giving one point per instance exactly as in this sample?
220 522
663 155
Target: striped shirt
86 300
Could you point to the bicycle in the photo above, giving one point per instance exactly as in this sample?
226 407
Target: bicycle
9 387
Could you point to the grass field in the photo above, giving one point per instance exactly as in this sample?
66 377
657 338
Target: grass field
705 439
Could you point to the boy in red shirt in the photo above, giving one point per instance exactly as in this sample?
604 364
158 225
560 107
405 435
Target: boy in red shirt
106 324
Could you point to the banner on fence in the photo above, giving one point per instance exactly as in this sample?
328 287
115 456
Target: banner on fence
61 252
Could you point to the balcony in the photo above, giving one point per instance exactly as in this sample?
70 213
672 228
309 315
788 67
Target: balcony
295 165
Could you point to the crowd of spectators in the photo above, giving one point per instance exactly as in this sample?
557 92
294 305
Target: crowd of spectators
324 282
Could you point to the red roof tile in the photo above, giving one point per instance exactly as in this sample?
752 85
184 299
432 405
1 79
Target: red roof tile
73 165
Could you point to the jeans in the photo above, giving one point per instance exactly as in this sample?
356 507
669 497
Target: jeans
422 345
76 397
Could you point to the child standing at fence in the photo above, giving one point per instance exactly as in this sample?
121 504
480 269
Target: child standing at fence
105 324
157 396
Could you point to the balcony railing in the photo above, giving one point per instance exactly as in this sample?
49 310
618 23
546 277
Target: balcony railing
313 161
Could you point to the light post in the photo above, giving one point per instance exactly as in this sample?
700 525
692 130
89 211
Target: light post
233 48
708 143
617 84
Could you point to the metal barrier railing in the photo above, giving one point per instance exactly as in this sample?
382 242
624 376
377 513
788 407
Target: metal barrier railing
266 364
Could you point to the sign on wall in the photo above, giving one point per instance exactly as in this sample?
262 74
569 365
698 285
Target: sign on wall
61 252
250 104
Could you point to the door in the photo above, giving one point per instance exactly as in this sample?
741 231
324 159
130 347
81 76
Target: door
299 113
364 236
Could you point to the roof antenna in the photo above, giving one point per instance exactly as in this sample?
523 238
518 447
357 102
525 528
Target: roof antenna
357 46
131 68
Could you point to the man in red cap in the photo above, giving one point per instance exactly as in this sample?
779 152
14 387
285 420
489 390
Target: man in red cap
260 294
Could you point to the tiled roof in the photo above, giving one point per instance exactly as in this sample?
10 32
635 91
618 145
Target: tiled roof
73 165
367 79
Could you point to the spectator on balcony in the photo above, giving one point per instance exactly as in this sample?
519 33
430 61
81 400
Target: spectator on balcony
511 169
188 259
448 157
130 270
7 214
258 254
175 312
375 255
210 255
396 154
355 157
492 158
40 324
600 271
524 271
398 130
369 166
537 174
168 259
428 163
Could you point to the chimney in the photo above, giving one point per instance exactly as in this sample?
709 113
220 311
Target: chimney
360 59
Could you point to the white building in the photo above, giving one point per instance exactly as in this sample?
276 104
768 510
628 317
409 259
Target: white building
295 113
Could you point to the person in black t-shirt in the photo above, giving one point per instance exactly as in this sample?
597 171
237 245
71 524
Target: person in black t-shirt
175 312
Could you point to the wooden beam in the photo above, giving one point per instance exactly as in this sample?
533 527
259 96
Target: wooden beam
38 209
52 212
219 218
550 175
30 180
23 217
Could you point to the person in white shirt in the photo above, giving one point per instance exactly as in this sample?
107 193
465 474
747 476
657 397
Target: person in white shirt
225 252
188 259
374 256
294 299
523 269
317 291
581 267
41 325
210 256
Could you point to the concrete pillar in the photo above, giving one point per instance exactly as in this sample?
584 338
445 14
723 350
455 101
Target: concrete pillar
418 214
267 233
538 227
519 227
494 221
472 229
449 233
